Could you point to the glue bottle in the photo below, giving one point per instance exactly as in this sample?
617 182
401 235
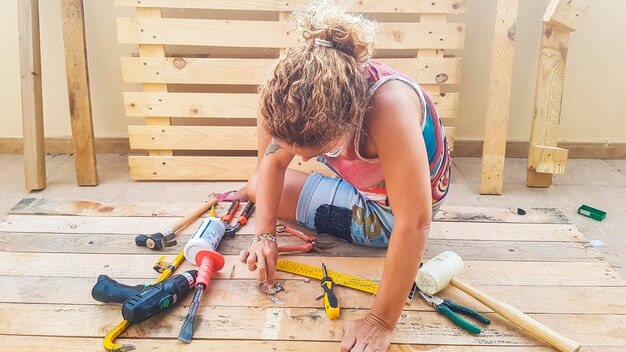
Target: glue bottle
207 236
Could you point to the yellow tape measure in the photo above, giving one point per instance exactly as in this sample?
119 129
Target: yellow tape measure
350 281
317 274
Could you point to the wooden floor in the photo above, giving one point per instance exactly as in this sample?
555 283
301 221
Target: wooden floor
52 251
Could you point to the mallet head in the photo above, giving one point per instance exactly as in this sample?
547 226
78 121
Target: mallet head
436 274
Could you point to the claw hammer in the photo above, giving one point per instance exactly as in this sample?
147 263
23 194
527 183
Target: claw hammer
165 238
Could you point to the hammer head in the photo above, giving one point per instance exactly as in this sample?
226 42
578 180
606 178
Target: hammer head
435 275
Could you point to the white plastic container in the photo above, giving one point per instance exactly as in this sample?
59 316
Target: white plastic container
207 236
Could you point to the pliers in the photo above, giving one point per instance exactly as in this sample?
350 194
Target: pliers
448 308
226 218
311 241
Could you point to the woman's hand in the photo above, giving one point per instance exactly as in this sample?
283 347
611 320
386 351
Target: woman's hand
261 256
370 334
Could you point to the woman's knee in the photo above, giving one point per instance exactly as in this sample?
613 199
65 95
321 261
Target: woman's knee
251 187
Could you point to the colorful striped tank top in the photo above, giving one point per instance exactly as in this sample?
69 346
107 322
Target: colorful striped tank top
367 174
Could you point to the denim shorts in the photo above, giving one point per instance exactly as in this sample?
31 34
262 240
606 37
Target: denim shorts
333 206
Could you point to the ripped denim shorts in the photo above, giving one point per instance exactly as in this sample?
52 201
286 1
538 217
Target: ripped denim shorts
334 206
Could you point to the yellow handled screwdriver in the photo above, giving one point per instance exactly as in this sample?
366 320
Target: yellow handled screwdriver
331 304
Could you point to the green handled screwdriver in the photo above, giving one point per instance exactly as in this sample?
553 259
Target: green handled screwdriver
331 304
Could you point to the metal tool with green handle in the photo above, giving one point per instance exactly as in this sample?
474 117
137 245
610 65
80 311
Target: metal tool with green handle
331 303
448 308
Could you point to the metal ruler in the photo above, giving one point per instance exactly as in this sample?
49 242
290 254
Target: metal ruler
350 281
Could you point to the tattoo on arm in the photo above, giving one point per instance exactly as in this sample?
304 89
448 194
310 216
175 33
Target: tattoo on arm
272 147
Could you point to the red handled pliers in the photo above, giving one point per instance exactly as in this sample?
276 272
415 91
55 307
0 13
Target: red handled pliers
311 242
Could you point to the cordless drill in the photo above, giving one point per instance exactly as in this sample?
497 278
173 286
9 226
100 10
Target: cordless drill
143 301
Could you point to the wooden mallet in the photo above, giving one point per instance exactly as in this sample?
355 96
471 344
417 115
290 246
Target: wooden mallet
439 272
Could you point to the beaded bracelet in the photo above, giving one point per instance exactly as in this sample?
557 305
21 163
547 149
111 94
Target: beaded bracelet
264 237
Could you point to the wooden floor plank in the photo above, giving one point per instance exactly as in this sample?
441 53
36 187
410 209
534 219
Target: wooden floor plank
64 344
43 206
595 273
139 225
468 250
295 324
300 294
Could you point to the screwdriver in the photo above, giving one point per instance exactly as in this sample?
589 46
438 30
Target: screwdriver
331 304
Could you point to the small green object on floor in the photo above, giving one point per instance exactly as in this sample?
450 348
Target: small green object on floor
591 212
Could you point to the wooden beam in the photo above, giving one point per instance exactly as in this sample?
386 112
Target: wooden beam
77 71
274 34
377 6
32 104
153 51
550 83
499 95
565 14
550 160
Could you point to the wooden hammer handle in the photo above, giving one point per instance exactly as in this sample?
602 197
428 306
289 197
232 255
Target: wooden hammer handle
520 319
196 214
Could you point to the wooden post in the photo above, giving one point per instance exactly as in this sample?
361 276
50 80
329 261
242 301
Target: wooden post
499 96
77 73
154 50
544 158
32 105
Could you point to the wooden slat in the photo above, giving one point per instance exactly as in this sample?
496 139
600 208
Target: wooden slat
493 216
469 250
554 299
68 344
499 95
479 231
77 73
277 323
205 168
193 137
398 6
32 104
274 34
185 70
229 105
565 14
226 105
476 272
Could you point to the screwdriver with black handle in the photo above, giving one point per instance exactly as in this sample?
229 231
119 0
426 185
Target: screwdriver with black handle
143 301
331 303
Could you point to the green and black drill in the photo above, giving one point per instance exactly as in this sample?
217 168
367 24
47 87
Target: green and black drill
143 301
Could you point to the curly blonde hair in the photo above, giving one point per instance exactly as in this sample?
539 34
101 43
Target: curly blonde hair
318 93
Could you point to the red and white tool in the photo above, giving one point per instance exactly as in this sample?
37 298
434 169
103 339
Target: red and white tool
202 250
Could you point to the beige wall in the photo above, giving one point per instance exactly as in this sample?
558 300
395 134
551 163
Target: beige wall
593 108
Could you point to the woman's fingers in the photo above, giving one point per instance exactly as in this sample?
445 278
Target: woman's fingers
260 265
251 261
243 256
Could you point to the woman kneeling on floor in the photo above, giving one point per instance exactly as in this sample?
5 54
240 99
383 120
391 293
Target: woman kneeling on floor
377 130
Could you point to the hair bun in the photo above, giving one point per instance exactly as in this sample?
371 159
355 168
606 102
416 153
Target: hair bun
324 22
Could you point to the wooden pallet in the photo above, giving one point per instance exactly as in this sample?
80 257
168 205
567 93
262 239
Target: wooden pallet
200 62
538 262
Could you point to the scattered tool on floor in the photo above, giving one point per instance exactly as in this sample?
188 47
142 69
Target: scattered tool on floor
165 238
340 279
439 272
331 303
591 212
143 301
241 220
230 213
110 337
449 309
311 242
202 251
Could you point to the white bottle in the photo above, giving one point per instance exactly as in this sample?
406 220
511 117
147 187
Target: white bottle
207 236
